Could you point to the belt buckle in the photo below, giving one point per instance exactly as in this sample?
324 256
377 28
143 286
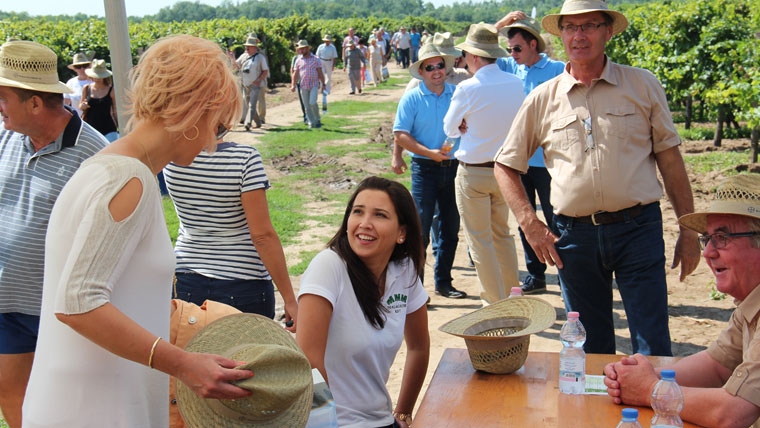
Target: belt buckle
593 218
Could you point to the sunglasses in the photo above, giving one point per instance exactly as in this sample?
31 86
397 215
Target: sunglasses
81 66
439 66
517 49
221 131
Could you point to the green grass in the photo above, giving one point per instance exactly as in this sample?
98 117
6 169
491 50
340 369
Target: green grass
172 222
305 257
716 161
708 132
3 424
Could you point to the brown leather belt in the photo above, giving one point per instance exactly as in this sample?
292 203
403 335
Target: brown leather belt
606 217
479 165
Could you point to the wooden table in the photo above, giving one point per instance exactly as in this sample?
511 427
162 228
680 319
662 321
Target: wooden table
459 396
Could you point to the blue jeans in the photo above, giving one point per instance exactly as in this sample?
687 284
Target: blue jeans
415 51
255 296
536 180
310 98
431 184
18 332
635 252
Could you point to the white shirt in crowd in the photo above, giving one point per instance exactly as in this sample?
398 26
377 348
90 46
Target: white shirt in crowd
76 85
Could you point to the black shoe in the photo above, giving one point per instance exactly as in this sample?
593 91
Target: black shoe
241 122
318 125
451 293
351 93
360 90
533 285
247 126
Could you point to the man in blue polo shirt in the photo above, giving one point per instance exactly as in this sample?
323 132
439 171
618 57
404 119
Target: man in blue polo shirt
419 129
416 38
42 144
533 67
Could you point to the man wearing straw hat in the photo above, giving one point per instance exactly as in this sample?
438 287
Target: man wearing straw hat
481 111
533 67
418 128
721 385
605 130
307 72
41 146
327 54
254 71
79 64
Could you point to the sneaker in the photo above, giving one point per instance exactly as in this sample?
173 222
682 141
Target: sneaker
353 92
451 293
318 125
533 285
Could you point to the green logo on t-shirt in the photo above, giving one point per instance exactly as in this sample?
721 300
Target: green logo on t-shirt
396 298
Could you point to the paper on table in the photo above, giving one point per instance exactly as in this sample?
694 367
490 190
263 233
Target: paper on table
595 385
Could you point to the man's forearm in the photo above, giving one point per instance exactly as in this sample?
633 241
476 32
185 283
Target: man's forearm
406 141
513 191
676 181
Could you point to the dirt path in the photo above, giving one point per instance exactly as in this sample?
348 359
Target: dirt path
695 319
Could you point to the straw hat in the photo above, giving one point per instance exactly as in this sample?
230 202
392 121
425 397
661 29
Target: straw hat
98 70
445 44
30 65
483 40
530 25
251 41
737 195
426 52
326 38
282 384
577 7
498 336
302 44
80 58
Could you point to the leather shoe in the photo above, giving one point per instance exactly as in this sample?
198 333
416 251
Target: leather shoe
451 293
533 285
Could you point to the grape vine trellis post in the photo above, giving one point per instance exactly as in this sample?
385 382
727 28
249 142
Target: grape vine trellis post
121 54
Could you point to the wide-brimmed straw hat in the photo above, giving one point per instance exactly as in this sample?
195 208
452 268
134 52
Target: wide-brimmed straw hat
498 336
302 44
30 65
530 25
282 384
98 70
251 41
737 195
326 38
445 44
80 58
577 7
483 40
426 52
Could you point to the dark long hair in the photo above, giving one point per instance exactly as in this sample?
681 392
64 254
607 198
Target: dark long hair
364 283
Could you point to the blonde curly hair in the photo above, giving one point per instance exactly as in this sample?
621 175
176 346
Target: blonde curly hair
178 80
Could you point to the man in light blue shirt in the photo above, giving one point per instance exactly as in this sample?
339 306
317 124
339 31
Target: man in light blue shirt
533 67
419 129
416 38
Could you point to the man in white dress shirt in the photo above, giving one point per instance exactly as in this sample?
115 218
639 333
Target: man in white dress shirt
481 112
327 53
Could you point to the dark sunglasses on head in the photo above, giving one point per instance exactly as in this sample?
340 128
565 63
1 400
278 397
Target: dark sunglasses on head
439 66
221 131
517 49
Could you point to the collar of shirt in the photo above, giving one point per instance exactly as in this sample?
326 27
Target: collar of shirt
448 89
750 306
568 82
67 138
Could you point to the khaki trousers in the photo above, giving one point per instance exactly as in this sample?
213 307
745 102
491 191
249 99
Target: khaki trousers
485 217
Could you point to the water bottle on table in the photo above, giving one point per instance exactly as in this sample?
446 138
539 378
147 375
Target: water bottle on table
667 402
572 359
515 292
630 419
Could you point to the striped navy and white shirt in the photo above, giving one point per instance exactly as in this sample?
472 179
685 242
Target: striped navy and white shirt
29 186
214 239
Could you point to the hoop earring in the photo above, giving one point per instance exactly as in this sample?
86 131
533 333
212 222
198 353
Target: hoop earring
197 133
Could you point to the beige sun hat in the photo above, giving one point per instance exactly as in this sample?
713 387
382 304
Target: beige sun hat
80 58
426 52
530 25
302 44
577 7
326 38
736 195
98 70
30 65
445 44
282 384
483 40
498 336
251 41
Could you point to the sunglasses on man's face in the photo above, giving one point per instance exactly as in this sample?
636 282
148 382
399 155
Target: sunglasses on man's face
439 66
79 67
517 49
221 131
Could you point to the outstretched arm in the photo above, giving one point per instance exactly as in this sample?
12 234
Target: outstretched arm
417 340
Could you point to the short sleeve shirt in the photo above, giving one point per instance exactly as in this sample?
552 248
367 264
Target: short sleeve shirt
738 349
420 113
307 71
612 166
252 68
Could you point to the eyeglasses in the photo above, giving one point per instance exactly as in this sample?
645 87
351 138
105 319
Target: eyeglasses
439 66
719 239
221 131
589 27
589 135
517 49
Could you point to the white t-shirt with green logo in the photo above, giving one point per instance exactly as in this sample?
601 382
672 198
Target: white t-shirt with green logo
358 357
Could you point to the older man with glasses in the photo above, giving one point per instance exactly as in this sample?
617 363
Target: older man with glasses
721 385
605 130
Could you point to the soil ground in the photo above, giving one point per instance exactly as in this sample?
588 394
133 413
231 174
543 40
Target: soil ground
695 319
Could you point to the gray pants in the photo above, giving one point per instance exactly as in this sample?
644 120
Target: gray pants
310 97
250 100
355 76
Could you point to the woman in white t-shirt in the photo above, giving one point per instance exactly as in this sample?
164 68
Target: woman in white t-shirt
360 298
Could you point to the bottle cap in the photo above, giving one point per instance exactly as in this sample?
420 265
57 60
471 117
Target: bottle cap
630 414
516 290
573 315
668 374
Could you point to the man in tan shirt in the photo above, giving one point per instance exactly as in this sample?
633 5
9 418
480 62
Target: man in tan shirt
721 386
605 129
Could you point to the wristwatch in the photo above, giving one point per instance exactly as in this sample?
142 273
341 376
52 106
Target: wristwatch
403 417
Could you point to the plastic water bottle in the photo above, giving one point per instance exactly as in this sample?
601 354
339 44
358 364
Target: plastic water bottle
630 419
667 402
572 359
515 292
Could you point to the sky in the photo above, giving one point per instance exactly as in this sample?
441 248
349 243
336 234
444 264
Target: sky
95 7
